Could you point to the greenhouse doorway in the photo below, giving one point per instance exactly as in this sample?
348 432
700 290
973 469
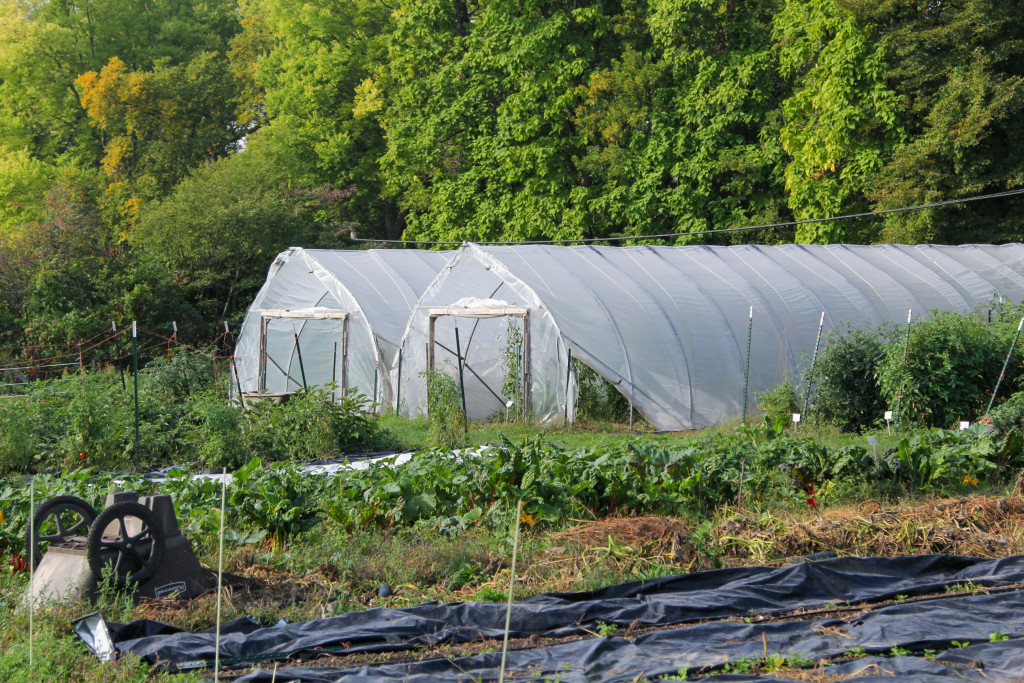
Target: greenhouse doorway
303 348
493 346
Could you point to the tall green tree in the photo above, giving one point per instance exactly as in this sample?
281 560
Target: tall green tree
309 60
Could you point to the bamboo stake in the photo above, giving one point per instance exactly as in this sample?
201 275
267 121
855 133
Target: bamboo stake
511 586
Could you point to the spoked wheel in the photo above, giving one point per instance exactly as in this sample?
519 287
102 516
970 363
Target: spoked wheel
133 546
55 520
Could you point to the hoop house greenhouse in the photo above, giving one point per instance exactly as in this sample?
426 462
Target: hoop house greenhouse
668 326
331 316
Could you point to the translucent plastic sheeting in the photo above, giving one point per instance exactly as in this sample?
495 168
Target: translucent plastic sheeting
668 326
348 309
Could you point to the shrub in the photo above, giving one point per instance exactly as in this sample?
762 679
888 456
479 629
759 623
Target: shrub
846 391
778 405
444 409
951 365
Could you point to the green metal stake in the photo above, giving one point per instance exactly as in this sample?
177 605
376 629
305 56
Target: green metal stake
462 385
1005 364
814 359
903 372
746 373
135 367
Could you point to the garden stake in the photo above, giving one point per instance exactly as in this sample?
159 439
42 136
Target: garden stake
739 495
814 358
511 585
631 416
398 386
1003 372
81 366
903 372
302 370
117 350
220 570
462 385
135 366
746 373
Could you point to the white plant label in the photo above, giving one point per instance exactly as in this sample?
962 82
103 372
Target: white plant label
796 417
964 424
888 415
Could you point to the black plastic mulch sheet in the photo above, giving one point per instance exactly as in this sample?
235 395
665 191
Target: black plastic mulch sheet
658 602
704 649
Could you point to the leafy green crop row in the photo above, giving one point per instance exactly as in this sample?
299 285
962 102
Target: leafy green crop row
450 491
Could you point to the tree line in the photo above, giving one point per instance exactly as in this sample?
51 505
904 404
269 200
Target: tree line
157 155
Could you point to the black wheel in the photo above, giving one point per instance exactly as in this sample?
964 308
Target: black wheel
56 520
134 550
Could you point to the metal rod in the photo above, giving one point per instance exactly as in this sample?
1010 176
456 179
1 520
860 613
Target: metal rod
238 381
568 382
462 384
135 368
903 372
1005 364
298 352
814 359
398 392
746 373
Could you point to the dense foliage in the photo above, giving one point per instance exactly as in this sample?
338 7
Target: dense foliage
154 157
184 417
938 371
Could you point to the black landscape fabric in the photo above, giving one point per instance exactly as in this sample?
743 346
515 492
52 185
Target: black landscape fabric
705 649
658 602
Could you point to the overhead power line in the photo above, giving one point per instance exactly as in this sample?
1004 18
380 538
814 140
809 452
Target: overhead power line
786 224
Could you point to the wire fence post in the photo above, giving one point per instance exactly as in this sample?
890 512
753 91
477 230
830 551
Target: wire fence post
1002 373
334 374
903 373
135 367
376 373
814 359
462 384
746 372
